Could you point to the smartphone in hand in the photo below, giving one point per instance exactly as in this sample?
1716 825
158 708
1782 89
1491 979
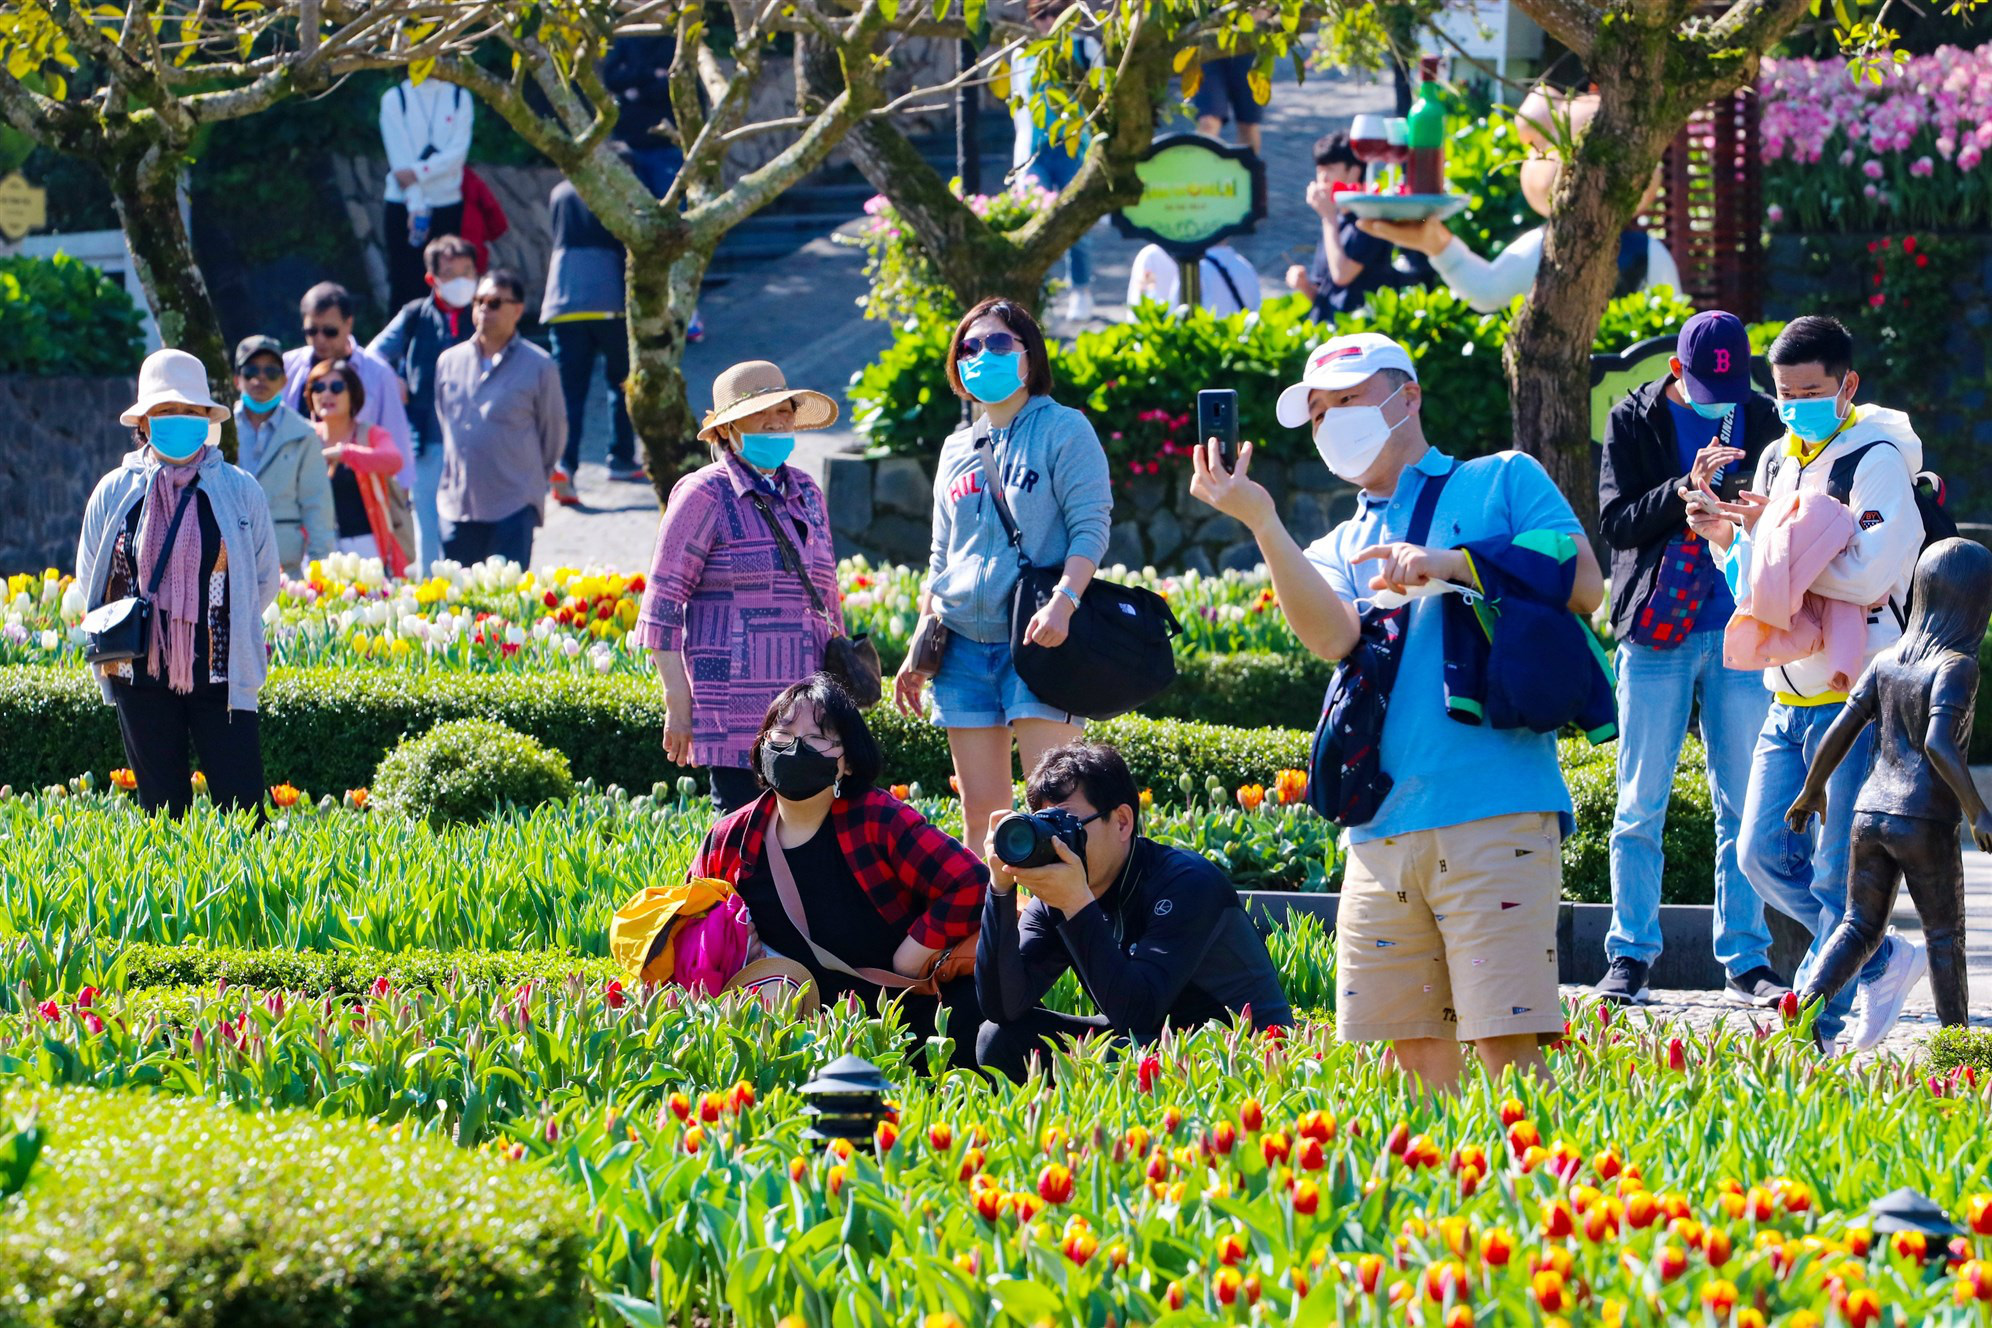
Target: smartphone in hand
1217 417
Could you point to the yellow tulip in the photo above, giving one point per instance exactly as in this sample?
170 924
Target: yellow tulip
360 644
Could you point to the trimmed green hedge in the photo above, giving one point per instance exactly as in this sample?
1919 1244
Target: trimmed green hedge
325 730
352 972
165 1212
1247 689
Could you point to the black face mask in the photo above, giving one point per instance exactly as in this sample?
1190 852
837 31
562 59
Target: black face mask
797 772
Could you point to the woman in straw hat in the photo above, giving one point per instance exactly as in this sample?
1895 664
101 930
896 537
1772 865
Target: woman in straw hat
207 583
1545 119
726 618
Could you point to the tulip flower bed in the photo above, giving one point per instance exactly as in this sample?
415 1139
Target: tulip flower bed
498 617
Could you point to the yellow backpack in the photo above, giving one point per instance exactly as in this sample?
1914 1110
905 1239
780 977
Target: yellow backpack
641 932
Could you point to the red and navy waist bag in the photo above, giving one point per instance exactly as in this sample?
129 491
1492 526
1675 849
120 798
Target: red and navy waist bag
1346 781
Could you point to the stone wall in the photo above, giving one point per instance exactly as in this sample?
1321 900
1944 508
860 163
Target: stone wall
62 436
883 509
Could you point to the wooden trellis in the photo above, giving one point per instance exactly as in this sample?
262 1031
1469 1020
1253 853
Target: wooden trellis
1711 206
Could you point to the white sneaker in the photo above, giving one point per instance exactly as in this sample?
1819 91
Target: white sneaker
1080 306
1883 998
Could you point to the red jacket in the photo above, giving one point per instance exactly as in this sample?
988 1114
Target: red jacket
484 221
910 870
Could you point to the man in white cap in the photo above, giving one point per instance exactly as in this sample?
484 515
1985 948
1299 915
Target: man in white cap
1447 928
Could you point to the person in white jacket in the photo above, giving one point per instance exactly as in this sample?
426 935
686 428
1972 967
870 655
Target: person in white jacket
1228 283
1490 284
1867 457
425 130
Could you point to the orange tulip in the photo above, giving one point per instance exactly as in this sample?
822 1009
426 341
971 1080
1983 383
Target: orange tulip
1290 787
358 798
1548 1288
123 778
1978 1213
283 795
1720 1297
903 792
1251 795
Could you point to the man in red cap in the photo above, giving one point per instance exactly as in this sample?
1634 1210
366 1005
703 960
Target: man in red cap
1700 423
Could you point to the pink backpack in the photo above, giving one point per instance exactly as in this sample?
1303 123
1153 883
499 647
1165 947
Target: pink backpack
711 948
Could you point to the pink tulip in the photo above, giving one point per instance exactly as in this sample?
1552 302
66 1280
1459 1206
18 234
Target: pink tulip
1922 167
1872 169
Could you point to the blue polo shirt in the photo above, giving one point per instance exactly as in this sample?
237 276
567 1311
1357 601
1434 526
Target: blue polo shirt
1445 772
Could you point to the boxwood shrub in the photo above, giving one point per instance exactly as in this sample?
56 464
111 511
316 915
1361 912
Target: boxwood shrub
467 769
169 1211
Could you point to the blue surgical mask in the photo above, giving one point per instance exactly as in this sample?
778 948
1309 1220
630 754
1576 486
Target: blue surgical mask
1711 410
990 377
1812 420
256 407
177 437
765 451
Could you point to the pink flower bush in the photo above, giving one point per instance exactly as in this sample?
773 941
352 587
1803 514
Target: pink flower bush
1907 148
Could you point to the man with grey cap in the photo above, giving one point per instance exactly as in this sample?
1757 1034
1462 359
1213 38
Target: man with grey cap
1447 930
281 449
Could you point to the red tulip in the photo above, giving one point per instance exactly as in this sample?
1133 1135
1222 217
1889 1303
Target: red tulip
885 1136
381 988
1715 1247
1173 1297
1496 1248
989 1204
940 1137
1974 1282
1369 1273
1548 1288
1231 1250
1275 1147
1677 1055
1252 1116
1788 1007
1145 1076
1311 1156
1080 1246
1671 1262
1224 1138
1720 1297
612 995
1978 1213
1512 1111
49 1010
1557 1220
1399 1139
86 998
1306 1197
1054 1184
1226 1283
681 1106
971 1163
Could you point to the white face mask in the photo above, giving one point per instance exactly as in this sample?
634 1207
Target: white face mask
457 292
1350 438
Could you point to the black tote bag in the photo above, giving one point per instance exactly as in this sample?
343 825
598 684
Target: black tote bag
1117 653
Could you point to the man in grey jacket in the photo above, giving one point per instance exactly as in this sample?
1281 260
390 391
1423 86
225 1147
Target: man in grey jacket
504 425
281 449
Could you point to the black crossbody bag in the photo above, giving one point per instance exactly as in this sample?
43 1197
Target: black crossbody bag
1116 654
851 660
122 629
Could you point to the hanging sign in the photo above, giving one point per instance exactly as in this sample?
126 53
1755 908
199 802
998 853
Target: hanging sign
1195 192
23 207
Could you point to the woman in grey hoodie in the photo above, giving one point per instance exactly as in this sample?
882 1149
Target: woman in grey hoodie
1054 475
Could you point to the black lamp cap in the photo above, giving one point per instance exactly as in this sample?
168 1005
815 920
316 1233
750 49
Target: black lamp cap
848 1075
1907 1210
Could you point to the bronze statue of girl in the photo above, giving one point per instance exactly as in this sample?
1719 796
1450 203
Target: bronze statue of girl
1906 814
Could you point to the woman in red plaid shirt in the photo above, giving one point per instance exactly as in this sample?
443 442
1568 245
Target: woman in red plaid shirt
889 903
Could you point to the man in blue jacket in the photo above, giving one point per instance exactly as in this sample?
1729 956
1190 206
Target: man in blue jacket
1447 929
1701 423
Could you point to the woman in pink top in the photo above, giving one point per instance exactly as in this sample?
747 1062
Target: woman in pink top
725 616
362 461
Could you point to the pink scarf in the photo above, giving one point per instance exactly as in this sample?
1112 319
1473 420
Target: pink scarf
177 605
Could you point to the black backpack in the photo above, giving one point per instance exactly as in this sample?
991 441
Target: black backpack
1932 498
1346 781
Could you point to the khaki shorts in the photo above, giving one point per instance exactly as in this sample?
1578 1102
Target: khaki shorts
1451 933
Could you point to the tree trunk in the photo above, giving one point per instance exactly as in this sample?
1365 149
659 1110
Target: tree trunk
144 175
1548 353
661 295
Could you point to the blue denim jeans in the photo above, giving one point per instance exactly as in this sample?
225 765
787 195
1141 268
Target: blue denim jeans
1053 168
1657 691
428 525
1804 876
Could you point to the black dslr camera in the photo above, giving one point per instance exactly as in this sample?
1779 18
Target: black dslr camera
1024 840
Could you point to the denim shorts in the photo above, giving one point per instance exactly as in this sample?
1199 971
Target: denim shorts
978 688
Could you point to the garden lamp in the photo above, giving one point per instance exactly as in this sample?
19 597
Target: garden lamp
847 1097
1907 1210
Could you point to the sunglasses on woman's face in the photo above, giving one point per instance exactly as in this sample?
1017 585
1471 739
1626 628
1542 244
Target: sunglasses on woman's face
332 385
996 343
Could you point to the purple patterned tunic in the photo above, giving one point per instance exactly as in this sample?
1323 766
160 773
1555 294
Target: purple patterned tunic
718 592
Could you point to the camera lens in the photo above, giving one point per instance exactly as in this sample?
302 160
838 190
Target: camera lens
1022 842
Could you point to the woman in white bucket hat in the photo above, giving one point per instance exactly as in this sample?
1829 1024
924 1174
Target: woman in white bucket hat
207 583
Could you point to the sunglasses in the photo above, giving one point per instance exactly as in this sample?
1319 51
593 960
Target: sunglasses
996 343
324 332
332 385
495 302
273 372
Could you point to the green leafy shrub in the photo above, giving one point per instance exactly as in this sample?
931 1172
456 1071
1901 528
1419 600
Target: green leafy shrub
1247 690
165 1212
1959 1048
900 279
62 316
1137 379
468 768
1688 841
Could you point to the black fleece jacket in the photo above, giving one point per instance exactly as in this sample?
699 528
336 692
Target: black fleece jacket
1639 508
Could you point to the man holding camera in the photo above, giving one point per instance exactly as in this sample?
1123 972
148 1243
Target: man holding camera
1155 934
1447 926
